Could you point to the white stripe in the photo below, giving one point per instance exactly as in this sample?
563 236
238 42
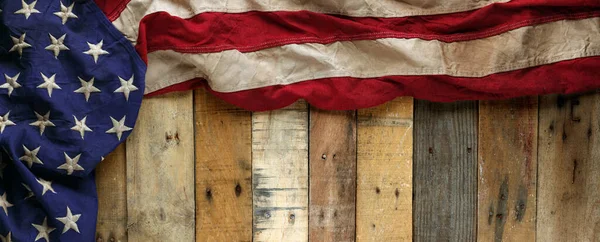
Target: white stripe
230 71
129 19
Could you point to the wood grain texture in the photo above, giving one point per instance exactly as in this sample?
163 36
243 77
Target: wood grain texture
569 168
280 174
332 175
112 197
223 170
445 171
384 172
160 170
507 170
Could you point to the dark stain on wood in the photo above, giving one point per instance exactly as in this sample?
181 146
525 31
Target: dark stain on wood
501 211
521 206
589 133
551 127
238 190
397 193
161 214
208 194
430 150
377 190
245 165
292 218
170 138
574 102
560 101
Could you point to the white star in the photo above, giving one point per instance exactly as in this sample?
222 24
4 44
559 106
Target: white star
42 122
126 87
46 186
5 204
70 221
43 230
65 12
27 9
118 127
11 83
30 156
7 238
96 50
71 165
49 83
81 126
4 121
19 44
87 88
29 192
57 45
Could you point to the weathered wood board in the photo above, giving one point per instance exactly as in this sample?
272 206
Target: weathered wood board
507 170
384 172
569 168
160 171
280 174
332 175
445 171
223 170
111 182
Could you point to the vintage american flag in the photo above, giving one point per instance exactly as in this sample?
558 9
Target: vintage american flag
74 73
345 54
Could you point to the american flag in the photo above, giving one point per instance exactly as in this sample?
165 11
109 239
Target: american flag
71 87
346 54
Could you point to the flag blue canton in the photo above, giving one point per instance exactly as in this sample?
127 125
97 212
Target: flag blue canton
70 90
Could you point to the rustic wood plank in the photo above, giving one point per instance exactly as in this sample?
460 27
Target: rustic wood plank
223 170
507 170
445 171
569 168
332 162
280 174
160 170
384 172
112 197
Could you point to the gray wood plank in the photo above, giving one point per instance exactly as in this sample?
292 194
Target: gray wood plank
445 171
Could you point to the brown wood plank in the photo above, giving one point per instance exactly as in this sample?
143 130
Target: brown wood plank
445 171
384 172
223 170
160 171
332 161
569 168
112 197
280 174
507 170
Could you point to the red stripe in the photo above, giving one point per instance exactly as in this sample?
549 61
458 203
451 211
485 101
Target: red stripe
112 8
252 31
352 93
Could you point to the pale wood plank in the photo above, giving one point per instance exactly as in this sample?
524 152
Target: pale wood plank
223 170
569 168
280 174
332 175
160 170
445 171
112 197
384 172
507 170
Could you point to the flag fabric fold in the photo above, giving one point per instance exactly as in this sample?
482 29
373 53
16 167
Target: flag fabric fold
263 55
71 87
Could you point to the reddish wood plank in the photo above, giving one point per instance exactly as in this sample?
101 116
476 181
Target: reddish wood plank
332 162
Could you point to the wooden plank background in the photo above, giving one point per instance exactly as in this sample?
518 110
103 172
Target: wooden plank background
198 169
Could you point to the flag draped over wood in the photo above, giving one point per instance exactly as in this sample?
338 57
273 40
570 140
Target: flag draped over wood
264 54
